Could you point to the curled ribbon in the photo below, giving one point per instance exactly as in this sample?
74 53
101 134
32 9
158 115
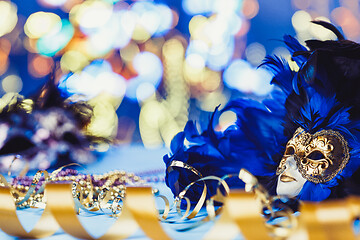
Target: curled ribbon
241 210
10 224
138 211
327 220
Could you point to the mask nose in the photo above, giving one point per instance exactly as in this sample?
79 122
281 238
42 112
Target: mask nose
290 163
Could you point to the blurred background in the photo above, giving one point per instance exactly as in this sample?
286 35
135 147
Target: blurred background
149 66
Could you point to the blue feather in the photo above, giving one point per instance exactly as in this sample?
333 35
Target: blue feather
351 166
239 105
282 72
242 103
262 128
294 46
308 98
276 104
177 142
343 130
314 192
295 84
341 117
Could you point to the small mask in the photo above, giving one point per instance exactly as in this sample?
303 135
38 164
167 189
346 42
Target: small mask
319 156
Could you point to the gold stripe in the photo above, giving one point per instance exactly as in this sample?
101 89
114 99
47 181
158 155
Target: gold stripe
11 225
241 211
328 220
140 202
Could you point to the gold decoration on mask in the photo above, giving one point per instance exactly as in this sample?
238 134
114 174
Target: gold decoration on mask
319 157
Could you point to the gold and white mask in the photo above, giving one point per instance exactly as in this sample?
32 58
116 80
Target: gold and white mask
319 157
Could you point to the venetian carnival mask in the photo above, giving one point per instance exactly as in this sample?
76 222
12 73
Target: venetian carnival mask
317 158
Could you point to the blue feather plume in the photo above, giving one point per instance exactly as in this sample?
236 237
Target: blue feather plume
282 72
295 47
313 98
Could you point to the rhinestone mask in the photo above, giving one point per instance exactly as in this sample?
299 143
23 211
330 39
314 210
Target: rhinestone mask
319 157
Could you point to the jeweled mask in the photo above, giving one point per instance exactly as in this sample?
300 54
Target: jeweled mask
319 156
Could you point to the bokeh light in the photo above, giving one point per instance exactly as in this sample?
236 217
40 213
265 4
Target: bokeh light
197 7
173 60
255 53
250 8
12 83
40 66
40 23
91 14
104 122
129 52
196 61
73 61
149 70
95 79
166 19
211 80
301 20
8 17
242 76
54 41
5 47
52 3
226 119
213 38
301 4
348 22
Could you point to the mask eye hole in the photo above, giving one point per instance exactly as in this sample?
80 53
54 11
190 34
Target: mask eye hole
316 155
289 151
